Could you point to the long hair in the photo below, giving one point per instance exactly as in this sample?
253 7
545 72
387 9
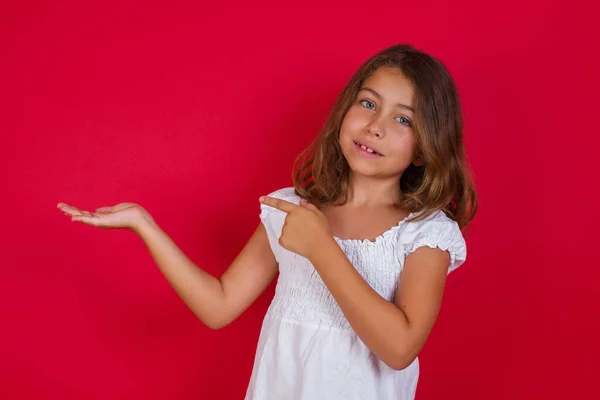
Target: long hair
321 173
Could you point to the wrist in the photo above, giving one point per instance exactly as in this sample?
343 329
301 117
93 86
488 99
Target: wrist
324 251
144 224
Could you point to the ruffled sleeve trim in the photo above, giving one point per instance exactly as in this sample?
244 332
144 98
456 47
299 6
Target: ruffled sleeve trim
273 219
442 234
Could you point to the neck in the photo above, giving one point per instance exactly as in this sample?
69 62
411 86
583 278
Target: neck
365 191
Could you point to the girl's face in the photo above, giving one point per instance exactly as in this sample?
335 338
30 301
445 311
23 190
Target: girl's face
376 135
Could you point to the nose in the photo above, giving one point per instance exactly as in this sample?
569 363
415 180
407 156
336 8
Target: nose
375 128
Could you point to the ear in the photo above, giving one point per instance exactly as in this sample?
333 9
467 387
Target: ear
418 161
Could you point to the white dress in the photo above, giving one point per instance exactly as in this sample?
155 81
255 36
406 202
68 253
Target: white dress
307 350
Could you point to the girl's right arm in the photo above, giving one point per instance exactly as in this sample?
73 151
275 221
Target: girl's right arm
216 302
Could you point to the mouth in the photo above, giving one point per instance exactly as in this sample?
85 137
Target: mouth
366 149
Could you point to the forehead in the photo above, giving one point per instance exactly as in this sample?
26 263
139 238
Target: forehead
392 85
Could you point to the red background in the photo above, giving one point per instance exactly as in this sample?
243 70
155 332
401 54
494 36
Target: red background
162 105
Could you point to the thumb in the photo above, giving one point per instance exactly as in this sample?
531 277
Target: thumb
310 206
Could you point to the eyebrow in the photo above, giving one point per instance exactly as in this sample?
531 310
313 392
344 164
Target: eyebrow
379 97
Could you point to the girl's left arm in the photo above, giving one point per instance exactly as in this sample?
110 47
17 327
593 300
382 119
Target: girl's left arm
395 332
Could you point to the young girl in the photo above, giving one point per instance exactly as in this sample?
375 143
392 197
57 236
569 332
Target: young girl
362 243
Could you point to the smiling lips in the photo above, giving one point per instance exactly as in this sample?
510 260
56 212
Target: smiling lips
363 149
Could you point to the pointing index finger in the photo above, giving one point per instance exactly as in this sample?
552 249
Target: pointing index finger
279 204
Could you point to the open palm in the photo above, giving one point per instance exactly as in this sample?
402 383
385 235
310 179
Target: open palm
120 216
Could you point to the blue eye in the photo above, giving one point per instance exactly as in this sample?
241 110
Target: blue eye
368 102
370 105
404 121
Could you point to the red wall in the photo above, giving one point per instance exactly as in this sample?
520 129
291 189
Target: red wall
161 105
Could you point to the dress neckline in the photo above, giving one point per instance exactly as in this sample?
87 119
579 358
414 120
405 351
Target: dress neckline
379 237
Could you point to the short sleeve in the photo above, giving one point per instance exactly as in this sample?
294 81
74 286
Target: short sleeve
273 219
442 233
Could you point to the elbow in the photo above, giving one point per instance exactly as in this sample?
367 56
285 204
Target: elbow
399 364
215 325
214 318
400 360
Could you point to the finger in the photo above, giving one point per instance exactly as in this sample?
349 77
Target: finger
90 220
104 209
279 204
70 210
63 206
309 206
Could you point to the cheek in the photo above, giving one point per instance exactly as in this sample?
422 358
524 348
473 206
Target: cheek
353 123
402 145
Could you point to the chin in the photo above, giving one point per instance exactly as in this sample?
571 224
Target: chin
362 168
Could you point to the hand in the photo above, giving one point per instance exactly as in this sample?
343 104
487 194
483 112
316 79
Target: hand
121 216
305 228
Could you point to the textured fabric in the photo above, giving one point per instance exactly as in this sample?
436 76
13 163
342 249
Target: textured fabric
307 350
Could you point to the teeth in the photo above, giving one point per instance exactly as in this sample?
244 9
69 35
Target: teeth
367 149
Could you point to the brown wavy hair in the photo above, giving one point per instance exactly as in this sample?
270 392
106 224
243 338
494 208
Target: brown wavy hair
321 173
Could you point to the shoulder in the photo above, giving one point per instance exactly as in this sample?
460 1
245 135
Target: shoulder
273 219
436 221
286 193
437 231
437 217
